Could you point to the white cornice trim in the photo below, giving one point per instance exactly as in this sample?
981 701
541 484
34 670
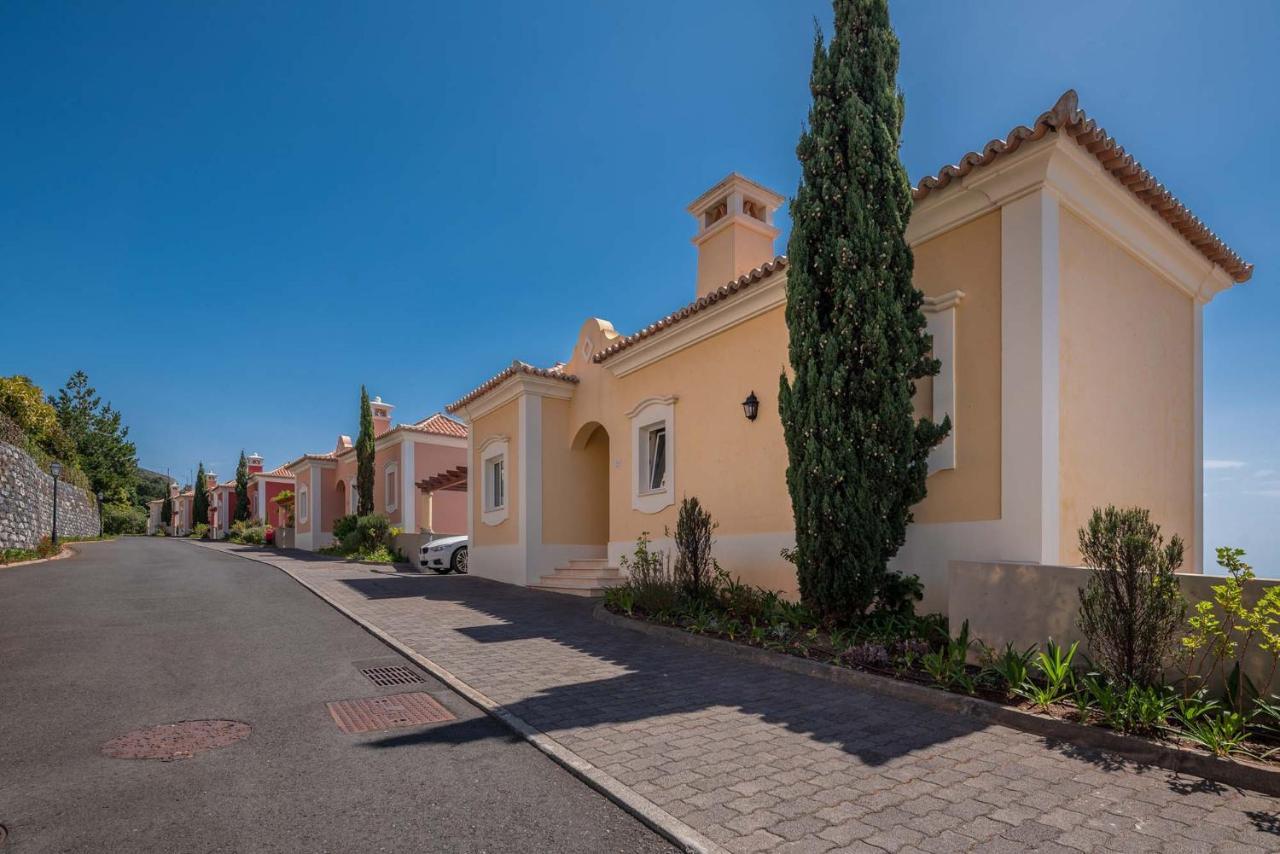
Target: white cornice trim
758 299
747 222
511 388
942 302
1085 189
667 400
500 437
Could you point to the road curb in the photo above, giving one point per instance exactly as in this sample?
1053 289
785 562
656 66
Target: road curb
67 551
1143 751
647 812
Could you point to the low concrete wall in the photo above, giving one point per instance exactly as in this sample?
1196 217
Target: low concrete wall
410 544
285 538
1026 604
26 503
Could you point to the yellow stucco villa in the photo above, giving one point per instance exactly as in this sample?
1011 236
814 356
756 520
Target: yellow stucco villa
1064 290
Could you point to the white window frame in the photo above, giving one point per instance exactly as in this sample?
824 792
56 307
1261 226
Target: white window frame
390 484
353 497
304 504
495 451
940 318
649 415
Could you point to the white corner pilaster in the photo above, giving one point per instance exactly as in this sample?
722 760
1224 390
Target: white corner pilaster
262 500
529 452
1030 496
408 491
1196 550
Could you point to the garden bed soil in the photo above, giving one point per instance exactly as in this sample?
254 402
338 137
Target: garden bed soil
1055 727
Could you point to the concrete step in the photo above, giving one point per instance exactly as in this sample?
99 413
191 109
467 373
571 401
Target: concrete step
592 592
590 563
605 572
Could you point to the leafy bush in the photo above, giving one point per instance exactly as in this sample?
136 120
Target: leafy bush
248 531
1008 668
1057 679
45 548
649 576
1129 708
344 525
365 534
1132 606
695 566
1223 629
947 664
200 531
123 519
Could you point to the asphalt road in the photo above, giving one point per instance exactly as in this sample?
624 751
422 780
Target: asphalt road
138 632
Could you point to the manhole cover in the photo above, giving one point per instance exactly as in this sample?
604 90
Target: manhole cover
396 674
180 740
373 714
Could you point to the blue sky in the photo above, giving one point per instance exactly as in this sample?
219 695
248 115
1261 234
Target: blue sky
233 214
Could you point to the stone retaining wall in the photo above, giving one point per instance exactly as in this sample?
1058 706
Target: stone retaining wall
26 503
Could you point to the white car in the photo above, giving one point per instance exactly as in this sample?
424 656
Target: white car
447 554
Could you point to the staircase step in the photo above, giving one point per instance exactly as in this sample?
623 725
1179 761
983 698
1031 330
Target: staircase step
594 592
578 583
590 563
608 573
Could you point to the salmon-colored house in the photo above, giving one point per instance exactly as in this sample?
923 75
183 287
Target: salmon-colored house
405 456
1064 289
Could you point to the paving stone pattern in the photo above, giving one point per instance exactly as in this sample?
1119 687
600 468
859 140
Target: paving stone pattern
758 759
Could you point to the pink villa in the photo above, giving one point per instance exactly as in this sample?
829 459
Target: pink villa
264 486
419 481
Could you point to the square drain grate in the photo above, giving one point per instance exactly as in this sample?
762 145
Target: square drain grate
392 674
373 714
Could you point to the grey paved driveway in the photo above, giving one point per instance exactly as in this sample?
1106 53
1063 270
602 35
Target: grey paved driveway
762 760
135 633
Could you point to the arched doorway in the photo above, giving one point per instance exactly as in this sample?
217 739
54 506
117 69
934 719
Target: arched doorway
341 498
589 455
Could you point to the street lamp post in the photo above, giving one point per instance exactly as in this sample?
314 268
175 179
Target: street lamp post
55 469
101 529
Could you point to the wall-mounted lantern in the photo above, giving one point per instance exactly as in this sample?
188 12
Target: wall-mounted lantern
751 406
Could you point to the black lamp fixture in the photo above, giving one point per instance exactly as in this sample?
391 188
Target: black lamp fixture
55 469
751 406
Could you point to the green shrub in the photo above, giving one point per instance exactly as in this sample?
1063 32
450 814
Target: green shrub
649 575
367 534
248 531
344 525
696 568
123 519
1132 607
1223 630
200 531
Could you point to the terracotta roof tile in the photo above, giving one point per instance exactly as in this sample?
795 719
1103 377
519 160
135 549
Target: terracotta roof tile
279 471
1066 117
320 457
700 304
439 424
555 373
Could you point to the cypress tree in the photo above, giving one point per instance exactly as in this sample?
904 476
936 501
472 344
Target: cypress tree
857 455
200 500
364 458
166 511
241 513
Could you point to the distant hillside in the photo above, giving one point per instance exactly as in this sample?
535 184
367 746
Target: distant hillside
151 485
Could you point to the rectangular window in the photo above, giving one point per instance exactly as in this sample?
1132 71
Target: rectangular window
303 504
653 473
392 476
497 482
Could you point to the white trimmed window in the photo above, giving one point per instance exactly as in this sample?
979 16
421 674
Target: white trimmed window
304 504
940 317
653 454
391 480
493 482
353 496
